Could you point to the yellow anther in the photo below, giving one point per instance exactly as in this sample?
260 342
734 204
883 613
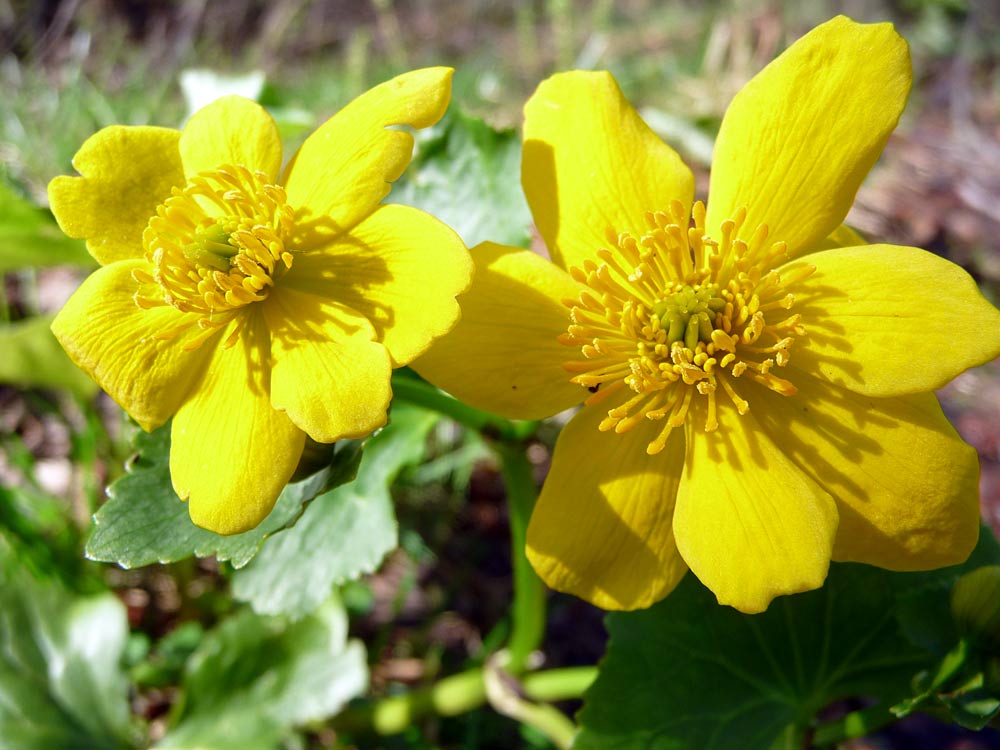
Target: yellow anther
724 341
671 314
214 247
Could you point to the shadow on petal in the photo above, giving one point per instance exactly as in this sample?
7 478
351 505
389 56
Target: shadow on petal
603 526
906 485
344 272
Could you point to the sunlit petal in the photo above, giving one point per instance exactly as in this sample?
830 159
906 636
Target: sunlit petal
345 168
233 131
590 163
885 320
401 268
126 173
231 452
504 356
329 374
121 346
906 486
602 527
799 138
749 523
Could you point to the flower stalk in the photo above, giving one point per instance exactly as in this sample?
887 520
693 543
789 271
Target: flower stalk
527 612
458 694
528 608
421 393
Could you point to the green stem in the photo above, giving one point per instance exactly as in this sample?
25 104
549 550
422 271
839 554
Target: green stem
528 608
507 698
449 696
420 393
852 726
558 684
551 722
457 694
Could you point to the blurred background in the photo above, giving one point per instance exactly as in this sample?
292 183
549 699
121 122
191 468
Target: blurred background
70 67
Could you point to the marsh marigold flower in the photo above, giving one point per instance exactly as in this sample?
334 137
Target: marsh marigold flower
756 382
255 304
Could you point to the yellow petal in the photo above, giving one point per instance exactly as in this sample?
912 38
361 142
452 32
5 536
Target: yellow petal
602 527
343 170
231 130
749 523
504 356
797 141
115 342
328 373
906 486
886 321
401 268
231 452
126 173
590 163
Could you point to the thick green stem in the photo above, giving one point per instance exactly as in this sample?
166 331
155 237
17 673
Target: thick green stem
449 696
506 696
558 684
528 609
527 613
457 694
409 388
551 722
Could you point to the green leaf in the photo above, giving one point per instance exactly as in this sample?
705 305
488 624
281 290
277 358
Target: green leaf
469 175
33 358
342 534
253 678
706 677
30 237
144 522
61 683
973 708
928 683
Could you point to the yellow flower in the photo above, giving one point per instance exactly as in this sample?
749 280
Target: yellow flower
256 305
756 383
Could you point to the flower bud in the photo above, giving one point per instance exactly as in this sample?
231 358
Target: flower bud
975 605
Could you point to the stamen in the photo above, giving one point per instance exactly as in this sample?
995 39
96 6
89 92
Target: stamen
673 314
214 247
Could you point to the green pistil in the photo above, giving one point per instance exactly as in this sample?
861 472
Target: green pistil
211 247
688 314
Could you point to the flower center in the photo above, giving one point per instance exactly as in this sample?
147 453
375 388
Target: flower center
674 315
215 246
688 314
